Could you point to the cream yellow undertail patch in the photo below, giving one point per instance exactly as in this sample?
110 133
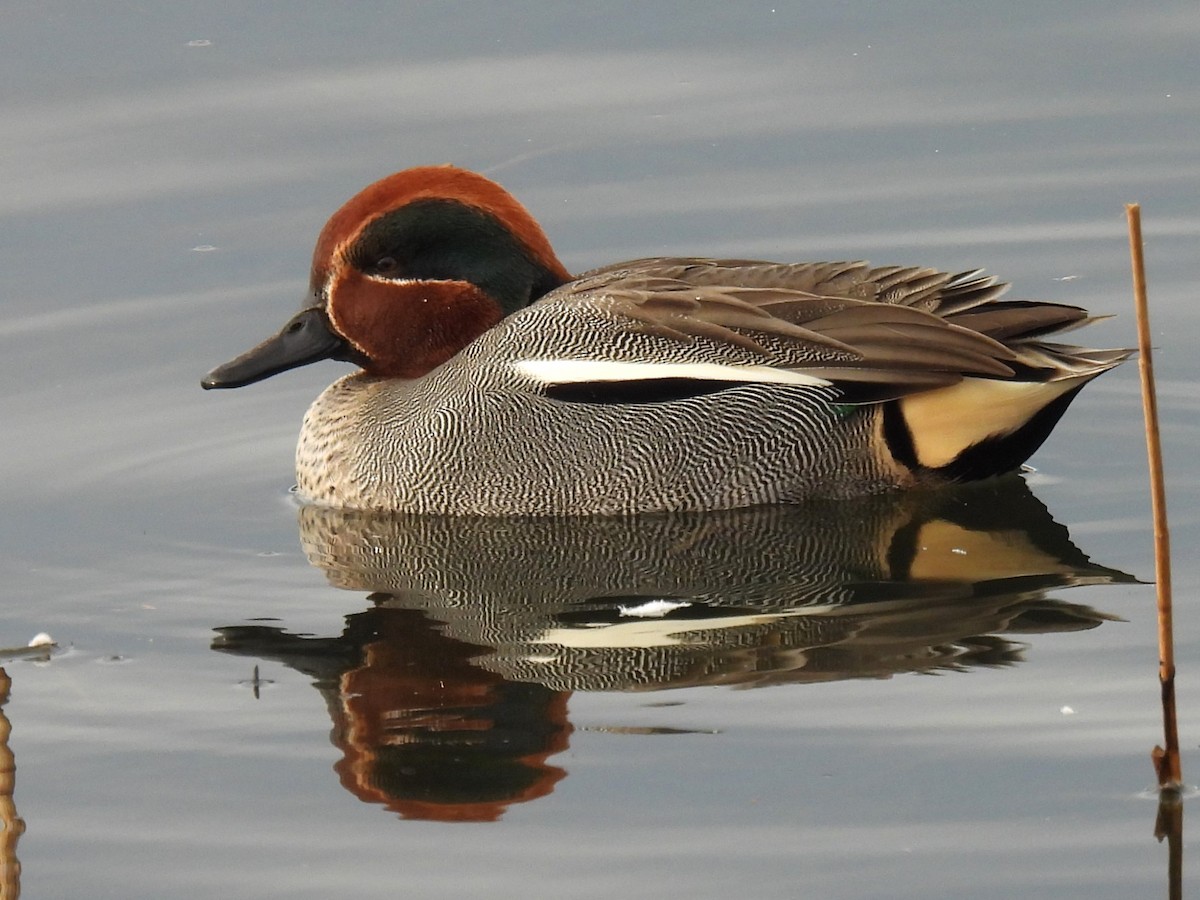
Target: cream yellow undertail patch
946 421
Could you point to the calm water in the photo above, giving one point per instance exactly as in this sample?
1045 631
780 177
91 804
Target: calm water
934 699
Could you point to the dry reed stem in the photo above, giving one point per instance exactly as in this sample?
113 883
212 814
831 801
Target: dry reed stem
11 825
1166 760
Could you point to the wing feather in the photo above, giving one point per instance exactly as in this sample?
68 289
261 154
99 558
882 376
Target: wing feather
873 333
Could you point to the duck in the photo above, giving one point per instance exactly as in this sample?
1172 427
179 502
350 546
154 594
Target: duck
491 381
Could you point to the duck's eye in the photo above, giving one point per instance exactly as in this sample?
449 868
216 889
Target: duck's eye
386 265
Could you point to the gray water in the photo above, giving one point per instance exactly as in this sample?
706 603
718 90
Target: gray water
230 713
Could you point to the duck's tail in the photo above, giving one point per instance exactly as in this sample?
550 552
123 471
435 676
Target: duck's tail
982 427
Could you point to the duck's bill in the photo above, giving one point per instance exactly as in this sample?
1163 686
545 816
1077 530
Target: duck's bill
306 338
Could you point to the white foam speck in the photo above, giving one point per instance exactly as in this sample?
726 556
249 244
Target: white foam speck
652 609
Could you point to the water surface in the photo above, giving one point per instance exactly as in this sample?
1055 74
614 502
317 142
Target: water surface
166 171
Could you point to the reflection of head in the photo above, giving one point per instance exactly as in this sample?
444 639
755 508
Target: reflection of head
423 729
429 734
461 764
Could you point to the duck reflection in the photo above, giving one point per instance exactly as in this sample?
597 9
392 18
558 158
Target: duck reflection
448 695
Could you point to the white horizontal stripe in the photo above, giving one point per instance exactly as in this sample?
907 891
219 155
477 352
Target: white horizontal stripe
404 279
582 371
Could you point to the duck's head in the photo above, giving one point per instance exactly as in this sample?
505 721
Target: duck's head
408 272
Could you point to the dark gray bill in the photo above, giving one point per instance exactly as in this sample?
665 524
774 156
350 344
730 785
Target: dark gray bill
306 338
